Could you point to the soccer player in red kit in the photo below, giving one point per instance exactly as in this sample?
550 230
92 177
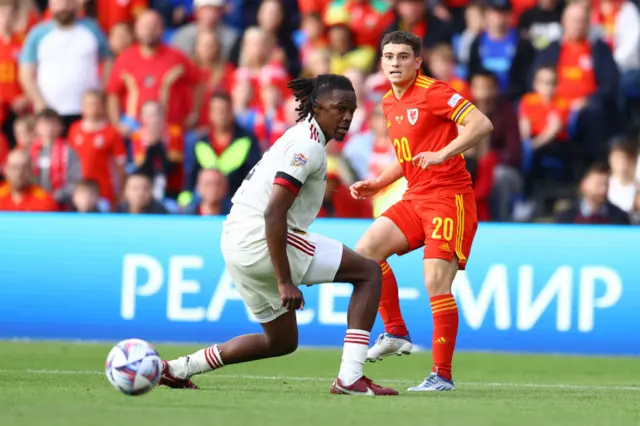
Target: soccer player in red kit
438 209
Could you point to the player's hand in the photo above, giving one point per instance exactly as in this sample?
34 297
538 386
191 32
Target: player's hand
365 188
291 296
426 159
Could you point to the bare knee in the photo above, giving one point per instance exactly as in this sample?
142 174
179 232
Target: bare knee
282 344
438 276
371 273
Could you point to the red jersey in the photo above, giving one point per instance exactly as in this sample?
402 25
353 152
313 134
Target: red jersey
576 74
174 140
34 199
426 119
220 79
9 85
534 108
98 151
167 76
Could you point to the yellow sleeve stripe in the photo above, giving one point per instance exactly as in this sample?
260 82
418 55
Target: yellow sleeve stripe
424 86
458 108
424 80
386 95
470 107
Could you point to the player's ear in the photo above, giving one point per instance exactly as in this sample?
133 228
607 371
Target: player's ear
418 62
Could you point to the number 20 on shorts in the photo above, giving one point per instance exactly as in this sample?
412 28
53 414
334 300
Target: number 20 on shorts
403 152
443 228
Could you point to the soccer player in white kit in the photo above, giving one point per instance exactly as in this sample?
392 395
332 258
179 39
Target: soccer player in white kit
268 252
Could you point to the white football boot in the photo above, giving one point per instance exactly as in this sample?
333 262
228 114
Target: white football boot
388 344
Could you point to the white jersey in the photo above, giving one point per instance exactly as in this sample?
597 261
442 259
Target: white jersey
297 161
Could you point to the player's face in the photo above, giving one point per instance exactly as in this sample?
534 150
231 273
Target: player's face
335 112
399 63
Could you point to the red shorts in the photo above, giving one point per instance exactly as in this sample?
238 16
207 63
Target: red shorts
445 225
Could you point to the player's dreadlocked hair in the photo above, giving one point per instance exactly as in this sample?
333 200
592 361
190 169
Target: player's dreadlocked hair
308 90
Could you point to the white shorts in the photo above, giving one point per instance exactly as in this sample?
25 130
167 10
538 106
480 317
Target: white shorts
313 259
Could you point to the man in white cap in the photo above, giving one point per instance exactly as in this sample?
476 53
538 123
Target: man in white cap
209 14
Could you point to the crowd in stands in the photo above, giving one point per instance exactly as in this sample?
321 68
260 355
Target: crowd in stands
163 107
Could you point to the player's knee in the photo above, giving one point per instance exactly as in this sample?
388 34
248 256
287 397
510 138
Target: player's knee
372 274
282 344
437 282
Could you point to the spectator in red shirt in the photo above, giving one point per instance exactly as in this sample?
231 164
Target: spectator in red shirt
588 77
18 193
152 71
259 59
213 195
100 147
505 141
413 16
158 152
270 119
368 19
217 74
10 43
482 163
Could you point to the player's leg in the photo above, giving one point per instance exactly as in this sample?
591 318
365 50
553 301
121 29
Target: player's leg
253 276
332 262
280 338
398 230
450 233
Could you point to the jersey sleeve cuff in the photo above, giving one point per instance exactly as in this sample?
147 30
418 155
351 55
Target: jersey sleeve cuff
288 181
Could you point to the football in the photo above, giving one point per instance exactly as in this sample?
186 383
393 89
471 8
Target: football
134 367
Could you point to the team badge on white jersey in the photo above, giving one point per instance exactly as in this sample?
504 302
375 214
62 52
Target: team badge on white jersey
298 162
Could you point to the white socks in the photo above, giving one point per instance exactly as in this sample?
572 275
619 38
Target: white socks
200 362
354 355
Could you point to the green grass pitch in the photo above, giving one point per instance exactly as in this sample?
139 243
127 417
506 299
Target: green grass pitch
51 384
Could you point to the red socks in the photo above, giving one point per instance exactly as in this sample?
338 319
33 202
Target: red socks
390 304
445 330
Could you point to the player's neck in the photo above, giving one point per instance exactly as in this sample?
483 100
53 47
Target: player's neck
400 89
210 208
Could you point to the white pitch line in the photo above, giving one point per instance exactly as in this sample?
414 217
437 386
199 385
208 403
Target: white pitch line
296 378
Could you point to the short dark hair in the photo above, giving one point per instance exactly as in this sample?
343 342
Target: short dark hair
403 37
138 174
90 184
222 95
307 91
49 114
626 146
598 168
485 73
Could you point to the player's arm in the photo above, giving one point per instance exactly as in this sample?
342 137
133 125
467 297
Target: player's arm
275 218
368 188
475 127
443 101
298 164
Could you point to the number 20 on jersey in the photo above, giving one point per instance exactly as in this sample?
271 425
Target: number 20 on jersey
403 152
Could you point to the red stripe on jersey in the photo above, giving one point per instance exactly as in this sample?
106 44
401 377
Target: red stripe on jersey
303 242
297 246
283 182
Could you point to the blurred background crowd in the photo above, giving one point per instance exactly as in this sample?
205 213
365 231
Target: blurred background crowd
143 106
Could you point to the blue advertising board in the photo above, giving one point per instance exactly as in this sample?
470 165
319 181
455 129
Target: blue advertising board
532 288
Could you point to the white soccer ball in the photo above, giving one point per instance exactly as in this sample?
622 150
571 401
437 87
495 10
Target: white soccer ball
134 367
